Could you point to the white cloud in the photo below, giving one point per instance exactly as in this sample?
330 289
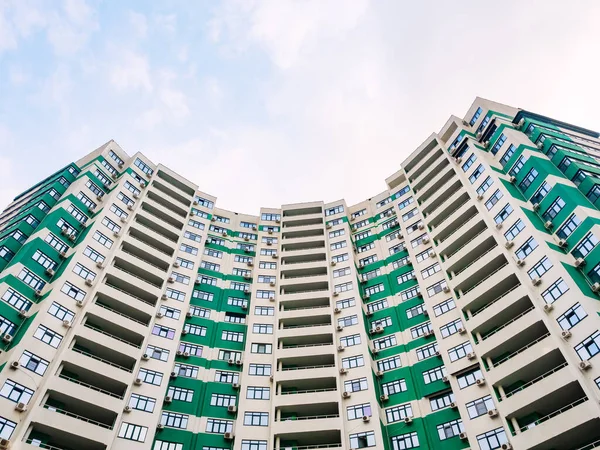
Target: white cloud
130 71
139 23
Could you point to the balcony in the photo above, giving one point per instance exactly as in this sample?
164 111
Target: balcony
113 330
146 254
167 203
110 315
42 435
447 193
499 311
431 186
305 330
304 210
304 284
479 270
296 273
122 309
152 240
464 233
302 391
165 219
470 252
183 188
304 244
305 418
310 231
298 346
421 162
95 381
436 166
304 311
164 189
460 215
303 261
558 423
490 288
158 231
130 289
298 304
310 296
98 352
153 279
329 439
307 222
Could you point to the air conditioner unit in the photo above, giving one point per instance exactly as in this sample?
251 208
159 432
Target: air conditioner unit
369 313
540 145
507 446
536 281
114 176
480 382
346 394
548 307
224 234
173 375
235 386
579 262
79 303
159 315
197 281
340 328
337 310
178 353
127 408
438 354
366 418
272 283
463 436
14 365
379 373
384 398
408 420
596 287
585 365
562 243
123 219
536 206
508 244
238 362
421 226
248 275
228 436
548 225
232 409
343 371
499 226
247 291
520 262
115 233
493 413
479 197
471 355
187 355
62 254
66 323
164 297
7 338
565 334
335 293
244 306
378 329
486 144
446 289
425 240
138 382
168 399
72 237
274 255
513 179
142 184
366 297
462 331
170 280
99 197
21 407
445 379
428 333
99 265
328 226
176 264
431 253
254 228
145 357
160 426
23 313
89 281
458 160
250 264
136 195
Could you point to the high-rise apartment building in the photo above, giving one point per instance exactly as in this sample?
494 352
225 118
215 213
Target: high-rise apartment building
458 308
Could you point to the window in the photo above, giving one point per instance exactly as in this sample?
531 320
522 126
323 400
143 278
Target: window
103 239
340 258
528 180
525 249
16 392
188 249
469 162
175 294
420 330
372 290
450 429
503 214
585 246
192 349
46 335
60 312
518 166
186 371
427 351
553 210
84 272
589 347
385 342
479 407
398 413
441 401
555 291
192 329
222 400
93 255
358 411
451 328
415 311
213 253
86 200
371 307
499 143
476 173
391 363
16 300
507 154
492 439
469 378
258 393
540 268
133 432
343 287
342 272
44 260
495 198
233 336
56 243
475 116
265 294
353 361
444 307
541 193
6 326
262 348
207 296
226 377
72 291
264 310
260 370
338 245
460 351
143 166
362 440
174 420
162 445
142 403
256 419
405 441
394 387
487 183
349 341
436 288
32 280
226 355
254 445
431 270
34 363
348 321
572 317
335 210
568 227
6 428
150 377
173 313
514 230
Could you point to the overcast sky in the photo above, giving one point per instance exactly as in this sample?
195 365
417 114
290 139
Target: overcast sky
270 102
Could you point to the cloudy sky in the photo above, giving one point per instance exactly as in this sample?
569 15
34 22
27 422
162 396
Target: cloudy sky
269 102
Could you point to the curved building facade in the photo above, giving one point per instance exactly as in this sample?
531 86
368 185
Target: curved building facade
456 309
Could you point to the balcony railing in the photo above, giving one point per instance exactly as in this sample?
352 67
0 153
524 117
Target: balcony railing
89 386
76 416
92 327
456 209
590 446
304 307
501 327
162 269
137 276
325 416
129 293
149 245
486 278
535 380
97 358
307 345
466 243
458 227
38 444
120 314
521 350
285 369
306 326
495 300
553 414
476 260
308 447
309 391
